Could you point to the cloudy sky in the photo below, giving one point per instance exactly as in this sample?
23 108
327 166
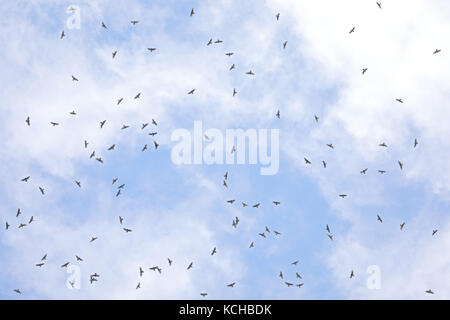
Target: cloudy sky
181 211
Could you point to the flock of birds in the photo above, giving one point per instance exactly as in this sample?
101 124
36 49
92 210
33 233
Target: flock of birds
94 277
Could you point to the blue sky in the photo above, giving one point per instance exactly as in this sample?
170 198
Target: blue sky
180 211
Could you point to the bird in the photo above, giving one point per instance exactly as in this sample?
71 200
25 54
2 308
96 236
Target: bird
434 232
7 225
364 70
256 205
104 25
278 114
114 54
281 275
231 201
121 186
125 126
144 125
251 245
44 257
288 284
363 171
18 212
203 294
65 265
78 183
383 145
225 176
192 12
316 118
39 264
382 171
102 123
399 100
429 291
232 67
112 147
156 145
267 230
133 22
62 34
328 229
31 220
324 164
330 236
250 73
118 193
244 204
99 159
297 275
342 196
231 285
284 44
72 112
352 274
27 120
437 51
234 92
229 54
218 41
330 145
78 258
42 190
138 286
307 161
402 225
379 5
74 79
17 291
137 96
93 239
151 49
144 148
262 234
127 230
154 122
299 285
119 100
190 265
400 164
276 202
379 219
225 184
276 232
114 180
294 263
214 251
415 143
277 16
22 225
192 91
170 261
352 30
54 123
152 134
209 42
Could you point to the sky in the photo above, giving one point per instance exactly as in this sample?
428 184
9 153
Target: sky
180 211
